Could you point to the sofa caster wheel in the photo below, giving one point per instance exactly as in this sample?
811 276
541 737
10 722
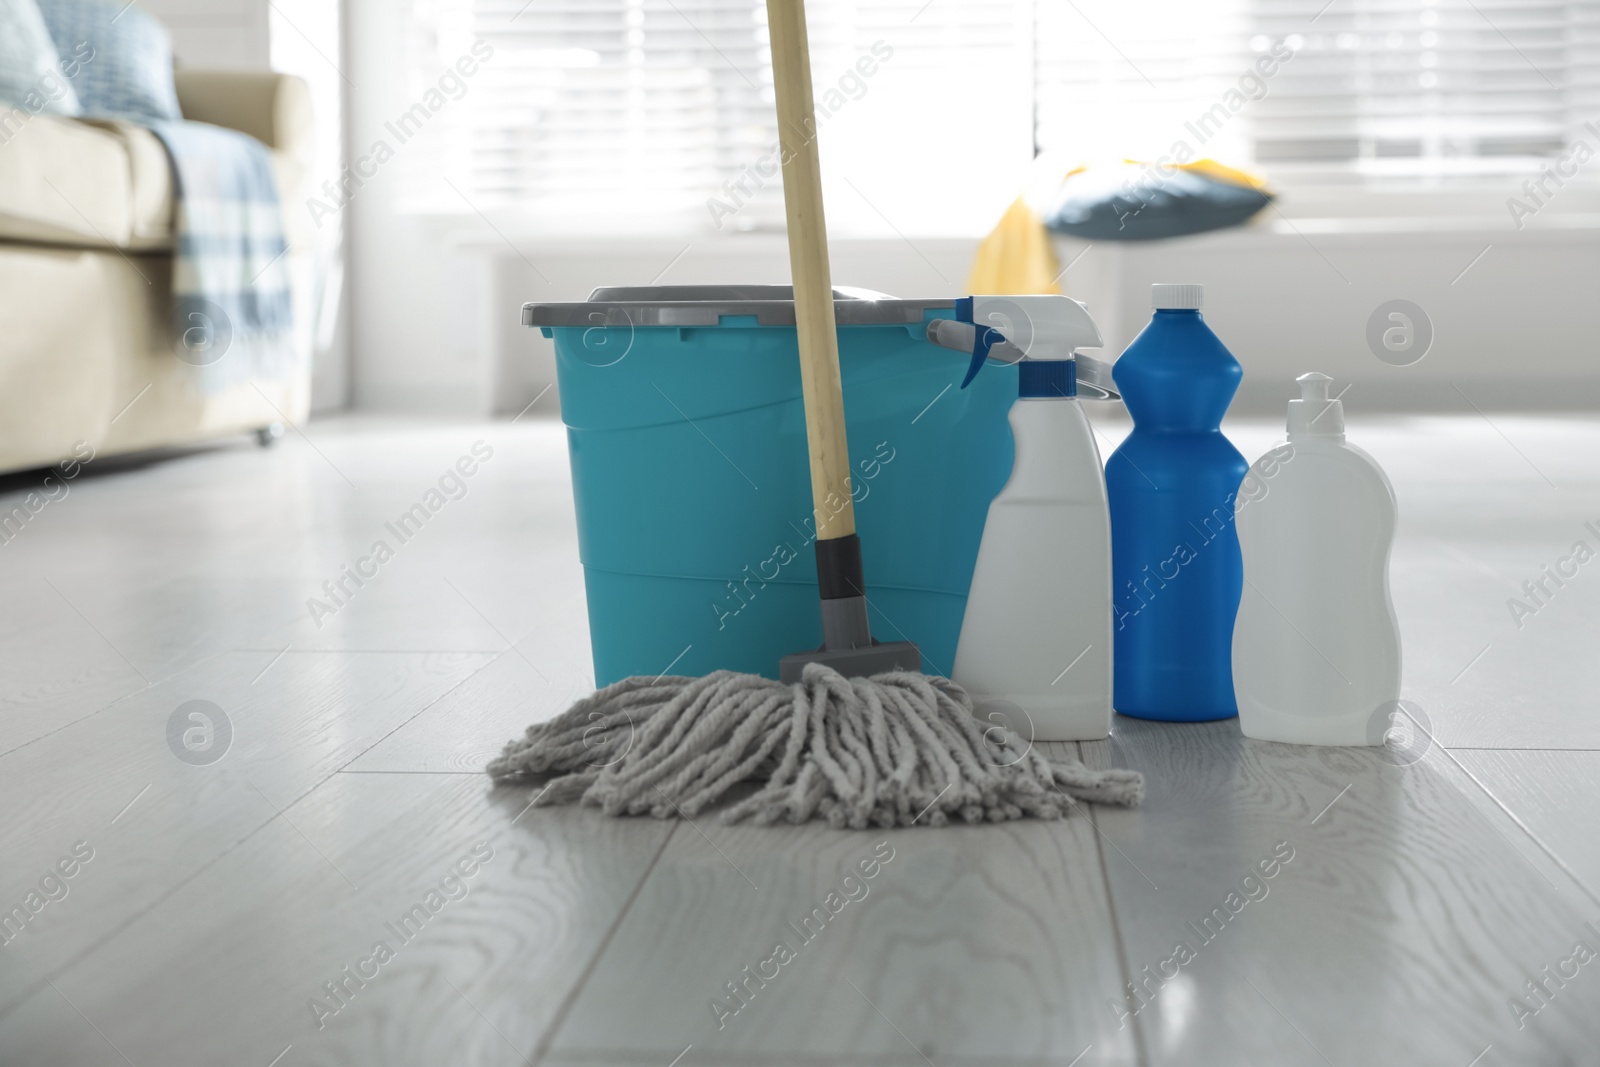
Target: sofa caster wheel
268 435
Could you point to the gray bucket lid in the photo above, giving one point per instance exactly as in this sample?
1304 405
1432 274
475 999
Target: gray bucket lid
704 305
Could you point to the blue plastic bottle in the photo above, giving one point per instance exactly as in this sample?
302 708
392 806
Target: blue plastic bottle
1175 566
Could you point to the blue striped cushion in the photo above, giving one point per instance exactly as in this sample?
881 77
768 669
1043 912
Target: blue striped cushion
29 77
130 73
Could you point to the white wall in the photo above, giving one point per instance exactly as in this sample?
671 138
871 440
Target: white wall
306 38
417 334
1513 331
228 34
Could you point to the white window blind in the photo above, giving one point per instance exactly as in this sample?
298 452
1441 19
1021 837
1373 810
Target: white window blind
627 115
624 112
617 105
1403 89
1377 90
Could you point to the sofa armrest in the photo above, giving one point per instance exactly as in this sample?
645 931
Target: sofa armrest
275 109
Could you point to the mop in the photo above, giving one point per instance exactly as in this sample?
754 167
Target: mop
853 733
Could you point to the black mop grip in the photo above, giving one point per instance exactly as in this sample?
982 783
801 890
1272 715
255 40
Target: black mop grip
839 568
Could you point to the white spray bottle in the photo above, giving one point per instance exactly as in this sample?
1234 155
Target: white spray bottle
1316 647
1035 645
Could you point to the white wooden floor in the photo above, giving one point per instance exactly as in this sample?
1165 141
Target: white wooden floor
223 901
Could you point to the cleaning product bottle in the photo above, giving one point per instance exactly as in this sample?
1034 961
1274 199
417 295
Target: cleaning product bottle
1174 551
1035 644
1316 649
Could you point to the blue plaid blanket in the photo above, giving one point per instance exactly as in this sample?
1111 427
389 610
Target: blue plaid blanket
230 277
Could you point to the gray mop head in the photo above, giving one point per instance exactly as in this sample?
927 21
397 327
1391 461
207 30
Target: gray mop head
897 749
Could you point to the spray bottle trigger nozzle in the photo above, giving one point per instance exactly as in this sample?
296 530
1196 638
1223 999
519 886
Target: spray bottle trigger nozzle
983 339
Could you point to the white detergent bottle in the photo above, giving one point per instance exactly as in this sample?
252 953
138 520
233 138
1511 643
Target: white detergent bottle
1035 645
1316 648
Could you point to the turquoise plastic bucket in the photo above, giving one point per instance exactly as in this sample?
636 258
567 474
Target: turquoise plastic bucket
690 475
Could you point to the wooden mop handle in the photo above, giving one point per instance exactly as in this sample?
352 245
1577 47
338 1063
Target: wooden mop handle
808 264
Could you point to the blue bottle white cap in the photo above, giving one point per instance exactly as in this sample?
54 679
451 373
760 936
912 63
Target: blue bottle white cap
1167 296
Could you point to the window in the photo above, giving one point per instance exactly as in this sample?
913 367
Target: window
1424 89
632 115
1126 80
1380 92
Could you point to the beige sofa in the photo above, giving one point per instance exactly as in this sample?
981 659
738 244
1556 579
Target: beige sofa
86 345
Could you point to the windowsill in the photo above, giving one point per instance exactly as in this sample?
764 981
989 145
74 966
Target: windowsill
467 237
1399 225
1272 226
1456 204
1300 211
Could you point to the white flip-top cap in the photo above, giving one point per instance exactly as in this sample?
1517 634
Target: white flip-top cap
1315 414
1167 296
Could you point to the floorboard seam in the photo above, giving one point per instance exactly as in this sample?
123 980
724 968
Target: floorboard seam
66 965
1520 825
163 680
1124 964
633 1057
382 651
470 774
27 992
559 1019
422 710
1504 748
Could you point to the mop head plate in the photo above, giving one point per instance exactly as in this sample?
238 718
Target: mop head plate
897 749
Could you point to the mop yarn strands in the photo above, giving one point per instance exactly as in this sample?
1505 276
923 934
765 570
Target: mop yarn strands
898 749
